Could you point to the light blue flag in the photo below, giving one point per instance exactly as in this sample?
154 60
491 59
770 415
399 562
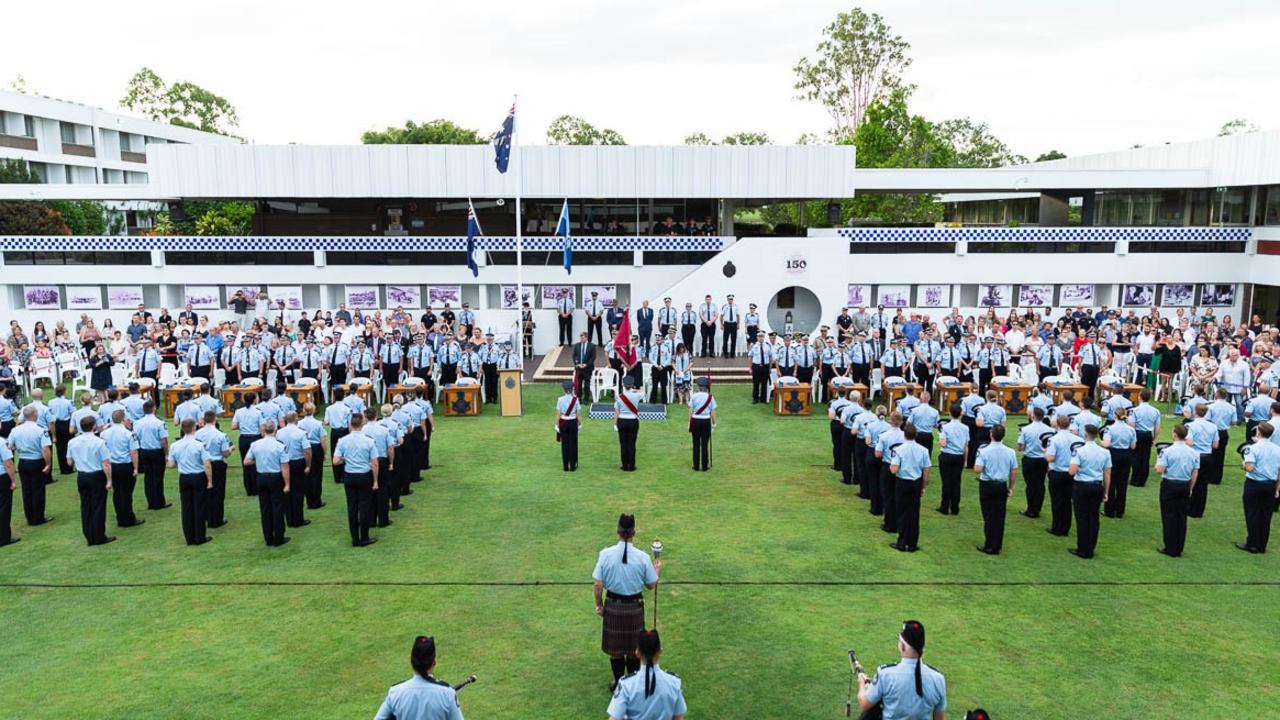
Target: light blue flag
562 229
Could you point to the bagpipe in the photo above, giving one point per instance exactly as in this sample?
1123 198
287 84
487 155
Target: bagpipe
456 688
876 712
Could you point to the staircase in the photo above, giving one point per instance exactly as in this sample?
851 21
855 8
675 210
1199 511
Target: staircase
557 367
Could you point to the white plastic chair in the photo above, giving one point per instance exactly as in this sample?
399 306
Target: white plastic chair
45 368
647 377
877 382
603 380
219 377
168 374
252 382
69 362
307 382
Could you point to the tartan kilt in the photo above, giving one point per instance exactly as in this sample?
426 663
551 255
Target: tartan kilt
623 623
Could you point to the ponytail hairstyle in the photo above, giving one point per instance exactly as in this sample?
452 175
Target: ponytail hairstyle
913 635
648 645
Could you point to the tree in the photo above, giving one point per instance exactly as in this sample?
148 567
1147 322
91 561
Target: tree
1051 155
1238 126
216 218
182 103
26 217
974 146
19 84
433 132
571 130
698 138
13 171
83 217
746 138
859 61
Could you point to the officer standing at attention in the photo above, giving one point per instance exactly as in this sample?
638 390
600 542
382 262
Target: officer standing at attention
195 477
595 317
1222 413
568 414
997 468
88 456
910 465
834 410
1180 466
1091 468
729 317
1261 467
421 697
1204 438
122 451
298 445
702 420
60 409
667 317
1119 439
1146 423
708 314
384 453
752 319
925 418
248 420
621 574
564 316
650 693
688 326
762 356
644 325
8 483
955 445
989 416
153 443
908 689
354 454
1034 466
1058 453
31 445
218 447
626 420
270 458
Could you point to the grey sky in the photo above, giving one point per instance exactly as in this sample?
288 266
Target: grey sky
1086 76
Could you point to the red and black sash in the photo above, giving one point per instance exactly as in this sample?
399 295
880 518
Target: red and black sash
560 421
705 404
622 398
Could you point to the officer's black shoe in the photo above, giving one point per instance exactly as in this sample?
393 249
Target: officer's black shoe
899 548
107 539
367 543
944 511
1163 551
207 538
304 523
11 541
140 521
1051 531
1247 549
397 507
166 505
1079 554
986 550
46 520
320 505
283 541
1026 514
402 493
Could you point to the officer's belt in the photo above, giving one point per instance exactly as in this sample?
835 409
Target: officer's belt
638 597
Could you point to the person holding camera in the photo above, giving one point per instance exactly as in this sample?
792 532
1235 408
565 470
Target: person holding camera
908 689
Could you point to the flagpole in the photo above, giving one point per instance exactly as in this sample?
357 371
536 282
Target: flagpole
515 155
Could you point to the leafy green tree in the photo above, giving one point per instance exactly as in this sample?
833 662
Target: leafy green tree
698 138
572 130
217 218
14 171
25 217
434 132
1051 155
1238 126
974 145
182 103
83 217
859 61
746 138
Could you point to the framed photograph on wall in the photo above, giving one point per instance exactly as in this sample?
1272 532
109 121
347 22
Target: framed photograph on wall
1217 295
409 296
250 292
895 296
858 295
933 296
438 295
84 297
1138 295
608 294
551 295
509 301
995 296
1076 295
42 297
362 297
1178 295
1035 295
124 297
290 294
203 297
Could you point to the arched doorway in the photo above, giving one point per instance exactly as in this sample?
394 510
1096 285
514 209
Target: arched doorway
794 309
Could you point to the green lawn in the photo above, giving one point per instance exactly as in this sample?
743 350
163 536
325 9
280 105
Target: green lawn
773 570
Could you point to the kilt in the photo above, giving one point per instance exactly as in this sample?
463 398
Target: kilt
623 623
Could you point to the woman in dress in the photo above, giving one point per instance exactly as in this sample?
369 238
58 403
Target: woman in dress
681 364
167 345
88 337
100 367
1203 366
39 334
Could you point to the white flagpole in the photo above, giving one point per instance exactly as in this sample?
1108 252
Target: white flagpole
515 152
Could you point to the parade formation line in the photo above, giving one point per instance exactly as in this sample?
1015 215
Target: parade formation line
665 583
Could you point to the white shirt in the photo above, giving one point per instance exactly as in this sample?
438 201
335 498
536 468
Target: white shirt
1235 377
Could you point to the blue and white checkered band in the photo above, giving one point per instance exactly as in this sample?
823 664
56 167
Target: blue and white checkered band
1046 234
260 243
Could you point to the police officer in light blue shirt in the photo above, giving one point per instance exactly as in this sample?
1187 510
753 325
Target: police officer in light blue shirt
1261 490
88 454
910 465
909 689
650 693
925 418
422 697
122 449
85 410
188 409
1085 417
1120 439
1204 440
1180 465
1222 413
383 442
1091 468
195 477
1256 411
133 403
268 409
355 455
621 574
270 459
955 446
997 468
153 440
1042 400
1116 401
60 409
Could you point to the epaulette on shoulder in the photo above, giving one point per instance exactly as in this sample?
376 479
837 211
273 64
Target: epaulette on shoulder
886 666
933 668
671 674
434 681
630 674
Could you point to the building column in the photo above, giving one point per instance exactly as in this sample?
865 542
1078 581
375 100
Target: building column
1053 210
727 206
1086 209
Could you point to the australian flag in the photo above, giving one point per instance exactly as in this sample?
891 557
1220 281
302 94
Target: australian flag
502 141
473 229
562 229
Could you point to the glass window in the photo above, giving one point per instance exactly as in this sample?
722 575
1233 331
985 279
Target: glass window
69 172
41 170
1170 209
904 248
68 133
124 142
1271 211
396 258
1041 247
1231 205
1208 246
28 126
77 258
677 257
219 257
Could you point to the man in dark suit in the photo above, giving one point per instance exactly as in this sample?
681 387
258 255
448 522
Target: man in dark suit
584 363
644 325
188 316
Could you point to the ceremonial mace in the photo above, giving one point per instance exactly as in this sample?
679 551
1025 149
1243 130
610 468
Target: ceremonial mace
656 548
464 683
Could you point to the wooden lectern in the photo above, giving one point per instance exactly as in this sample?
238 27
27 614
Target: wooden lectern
1058 390
509 391
1013 397
460 399
833 388
791 399
1130 391
894 393
949 394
